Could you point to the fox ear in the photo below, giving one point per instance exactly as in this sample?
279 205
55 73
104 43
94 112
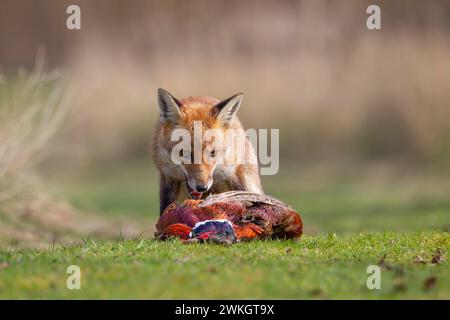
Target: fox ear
227 108
169 106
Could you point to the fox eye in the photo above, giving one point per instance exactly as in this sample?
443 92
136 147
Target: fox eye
213 153
184 153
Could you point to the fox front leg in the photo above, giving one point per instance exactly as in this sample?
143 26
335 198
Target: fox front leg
249 180
167 193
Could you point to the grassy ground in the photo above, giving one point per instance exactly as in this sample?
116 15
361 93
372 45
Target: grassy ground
346 223
315 267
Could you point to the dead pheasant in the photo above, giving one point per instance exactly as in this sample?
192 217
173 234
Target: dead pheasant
229 217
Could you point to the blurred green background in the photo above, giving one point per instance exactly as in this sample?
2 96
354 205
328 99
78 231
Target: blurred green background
364 116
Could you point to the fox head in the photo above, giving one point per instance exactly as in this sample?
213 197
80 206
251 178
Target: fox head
198 153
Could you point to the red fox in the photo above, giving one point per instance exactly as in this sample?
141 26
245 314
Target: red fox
193 179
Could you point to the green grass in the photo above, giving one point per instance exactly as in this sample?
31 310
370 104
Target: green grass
350 224
322 266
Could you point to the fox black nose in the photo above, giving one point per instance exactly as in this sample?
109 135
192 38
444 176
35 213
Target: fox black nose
201 188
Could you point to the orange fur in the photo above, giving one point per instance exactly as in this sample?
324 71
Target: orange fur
175 179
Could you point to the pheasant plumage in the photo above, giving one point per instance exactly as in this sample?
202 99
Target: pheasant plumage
229 217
